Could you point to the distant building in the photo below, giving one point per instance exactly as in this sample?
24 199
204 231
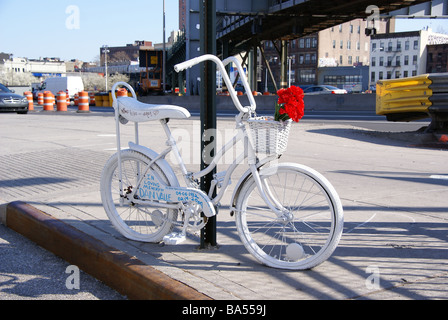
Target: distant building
437 59
124 54
182 14
39 68
345 45
401 54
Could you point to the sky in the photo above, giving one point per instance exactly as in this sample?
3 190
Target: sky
77 29
437 25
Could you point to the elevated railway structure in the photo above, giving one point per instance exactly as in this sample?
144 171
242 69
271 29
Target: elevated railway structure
242 25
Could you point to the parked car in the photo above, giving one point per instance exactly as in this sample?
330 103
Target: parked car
324 89
9 101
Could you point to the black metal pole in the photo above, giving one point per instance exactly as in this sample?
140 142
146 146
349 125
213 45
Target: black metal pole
208 109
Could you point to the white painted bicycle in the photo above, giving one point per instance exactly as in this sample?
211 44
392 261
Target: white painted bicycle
288 216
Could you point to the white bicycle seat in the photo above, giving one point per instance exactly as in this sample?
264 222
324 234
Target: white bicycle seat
136 111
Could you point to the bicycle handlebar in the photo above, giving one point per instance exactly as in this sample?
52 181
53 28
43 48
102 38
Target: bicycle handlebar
221 66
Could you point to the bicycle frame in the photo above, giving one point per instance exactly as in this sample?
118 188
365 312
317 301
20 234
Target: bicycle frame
192 178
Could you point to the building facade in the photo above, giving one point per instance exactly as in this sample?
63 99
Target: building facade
124 54
13 69
401 54
437 60
345 45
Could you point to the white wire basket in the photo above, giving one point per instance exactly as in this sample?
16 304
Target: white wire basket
268 136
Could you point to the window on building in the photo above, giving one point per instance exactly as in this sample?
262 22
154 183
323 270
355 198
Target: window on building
307 76
406 60
406 74
416 45
334 44
389 61
414 60
350 60
380 75
341 44
340 59
349 45
373 46
398 61
398 45
406 45
372 77
373 63
389 46
381 61
397 74
389 74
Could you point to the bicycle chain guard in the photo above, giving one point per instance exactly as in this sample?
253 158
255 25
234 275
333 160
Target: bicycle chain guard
153 189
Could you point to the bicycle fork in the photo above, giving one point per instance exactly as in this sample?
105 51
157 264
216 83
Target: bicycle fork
265 191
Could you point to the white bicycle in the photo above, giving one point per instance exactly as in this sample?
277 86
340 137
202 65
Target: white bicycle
288 216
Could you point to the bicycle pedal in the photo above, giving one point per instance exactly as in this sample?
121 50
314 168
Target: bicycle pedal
174 238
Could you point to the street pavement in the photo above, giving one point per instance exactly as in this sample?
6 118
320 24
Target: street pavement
393 188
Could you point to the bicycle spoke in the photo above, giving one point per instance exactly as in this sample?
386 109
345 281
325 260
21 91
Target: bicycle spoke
299 238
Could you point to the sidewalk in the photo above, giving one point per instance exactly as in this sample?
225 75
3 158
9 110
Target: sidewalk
394 195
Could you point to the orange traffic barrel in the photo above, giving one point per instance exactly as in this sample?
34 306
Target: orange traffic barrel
83 104
122 92
40 98
61 102
67 96
29 97
48 101
92 98
76 99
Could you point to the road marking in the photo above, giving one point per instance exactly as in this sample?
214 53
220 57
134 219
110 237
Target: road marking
363 223
439 177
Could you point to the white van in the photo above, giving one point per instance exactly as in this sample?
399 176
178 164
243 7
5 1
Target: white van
72 83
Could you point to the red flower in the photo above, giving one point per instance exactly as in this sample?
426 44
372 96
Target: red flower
290 104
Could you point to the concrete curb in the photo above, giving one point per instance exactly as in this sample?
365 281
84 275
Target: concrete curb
127 275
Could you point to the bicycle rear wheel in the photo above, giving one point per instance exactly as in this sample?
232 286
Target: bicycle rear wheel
136 221
309 231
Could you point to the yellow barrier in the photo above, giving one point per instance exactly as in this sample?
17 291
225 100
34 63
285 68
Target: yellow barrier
408 95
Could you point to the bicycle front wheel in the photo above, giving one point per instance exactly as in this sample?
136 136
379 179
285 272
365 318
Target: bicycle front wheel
307 232
136 221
